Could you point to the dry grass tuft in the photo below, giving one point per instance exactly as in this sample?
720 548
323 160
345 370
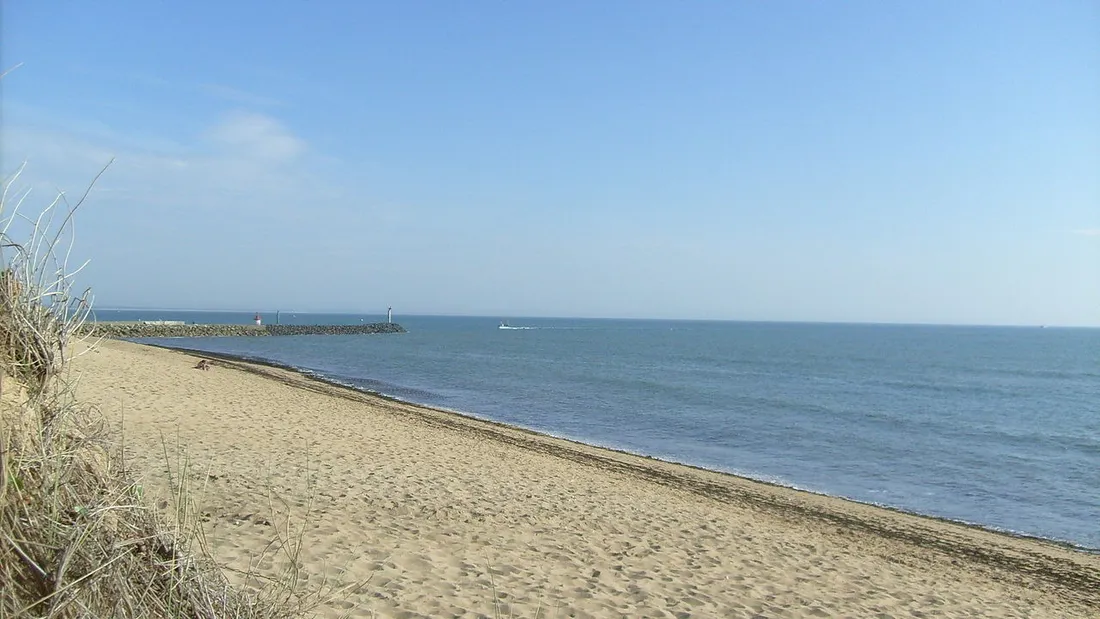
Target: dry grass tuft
76 537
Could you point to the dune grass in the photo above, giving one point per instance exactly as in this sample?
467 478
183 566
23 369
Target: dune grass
77 538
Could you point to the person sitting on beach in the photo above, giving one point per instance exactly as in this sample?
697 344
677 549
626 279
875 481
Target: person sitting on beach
203 365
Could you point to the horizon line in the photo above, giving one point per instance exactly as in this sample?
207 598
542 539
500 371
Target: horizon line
547 317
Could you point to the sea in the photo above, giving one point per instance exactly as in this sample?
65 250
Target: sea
994 426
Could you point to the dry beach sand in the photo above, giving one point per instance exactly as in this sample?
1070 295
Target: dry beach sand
421 504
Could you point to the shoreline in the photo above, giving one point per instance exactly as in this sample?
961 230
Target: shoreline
435 512
709 483
312 376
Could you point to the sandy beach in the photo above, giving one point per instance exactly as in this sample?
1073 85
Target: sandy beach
440 515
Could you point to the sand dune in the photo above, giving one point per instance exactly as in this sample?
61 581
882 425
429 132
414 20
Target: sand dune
445 516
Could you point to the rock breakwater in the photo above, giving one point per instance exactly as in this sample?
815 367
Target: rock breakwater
125 330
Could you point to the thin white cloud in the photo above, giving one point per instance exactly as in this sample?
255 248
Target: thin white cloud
155 82
147 80
245 163
1088 232
257 136
236 95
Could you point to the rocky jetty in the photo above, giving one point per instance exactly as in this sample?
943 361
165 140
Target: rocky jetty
159 329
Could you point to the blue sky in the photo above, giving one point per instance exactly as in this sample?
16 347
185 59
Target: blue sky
858 161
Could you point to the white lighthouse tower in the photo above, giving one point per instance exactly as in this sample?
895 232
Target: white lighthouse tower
389 315
259 321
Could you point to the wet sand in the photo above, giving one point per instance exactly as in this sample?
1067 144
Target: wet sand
438 515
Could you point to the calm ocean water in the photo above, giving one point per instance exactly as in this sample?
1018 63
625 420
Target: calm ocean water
995 426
